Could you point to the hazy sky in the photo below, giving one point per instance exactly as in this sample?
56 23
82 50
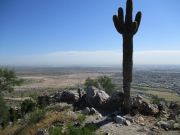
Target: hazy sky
81 32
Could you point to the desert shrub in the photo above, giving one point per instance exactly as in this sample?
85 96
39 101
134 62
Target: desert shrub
86 130
27 106
8 80
91 82
157 100
34 96
55 130
37 115
102 82
4 112
81 118
106 83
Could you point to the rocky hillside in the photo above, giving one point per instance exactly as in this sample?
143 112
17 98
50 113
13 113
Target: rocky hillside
92 112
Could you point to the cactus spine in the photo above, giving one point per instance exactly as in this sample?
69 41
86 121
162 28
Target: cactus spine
128 29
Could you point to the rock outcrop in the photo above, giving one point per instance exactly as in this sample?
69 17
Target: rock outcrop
69 96
143 107
96 97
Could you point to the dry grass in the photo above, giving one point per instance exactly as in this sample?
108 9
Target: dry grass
169 96
50 119
10 130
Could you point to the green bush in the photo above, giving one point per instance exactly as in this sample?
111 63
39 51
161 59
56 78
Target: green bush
34 96
8 80
4 113
91 82
27 106
37 115
55 130
86 130
81 118
102 82
157 100
106 83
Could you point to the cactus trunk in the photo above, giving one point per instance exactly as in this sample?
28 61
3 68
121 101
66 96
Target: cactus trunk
127 69
128 28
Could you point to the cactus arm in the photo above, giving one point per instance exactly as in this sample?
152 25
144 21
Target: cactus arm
138 20
117 25
121 18
129 9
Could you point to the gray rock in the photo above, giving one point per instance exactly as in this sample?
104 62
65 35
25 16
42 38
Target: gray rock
139 96
96 97
143 107
10 123
129 118
148 109
69 96
155 128
57 97
99 115
171 123
93 111
127 123
106 133
120 120
42 132
163 124
86 111
176 126
115 101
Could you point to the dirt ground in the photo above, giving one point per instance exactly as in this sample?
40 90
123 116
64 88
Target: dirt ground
53 81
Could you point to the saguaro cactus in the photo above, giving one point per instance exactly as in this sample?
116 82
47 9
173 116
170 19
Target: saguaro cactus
128 29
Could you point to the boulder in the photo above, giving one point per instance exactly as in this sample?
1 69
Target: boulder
171 123
42 132
93 111
140 119
86 111
136 101
96 97
148 109
115 101
69 96
176 126
117 97
163 125
174 106
137 104
127 123
80 103
57 97
129 118
120 120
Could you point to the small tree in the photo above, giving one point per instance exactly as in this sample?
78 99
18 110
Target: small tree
8 80
90 82
106 83
102 82
4 112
